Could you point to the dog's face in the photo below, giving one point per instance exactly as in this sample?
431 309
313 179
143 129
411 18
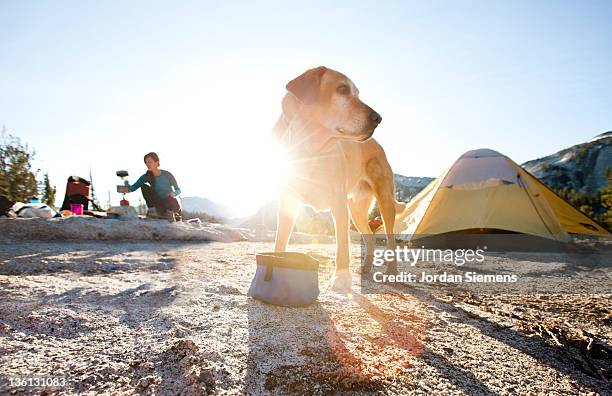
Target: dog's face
331 99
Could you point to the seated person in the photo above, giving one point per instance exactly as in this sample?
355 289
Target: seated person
159 189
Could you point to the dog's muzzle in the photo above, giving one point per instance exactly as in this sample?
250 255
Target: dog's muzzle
375 118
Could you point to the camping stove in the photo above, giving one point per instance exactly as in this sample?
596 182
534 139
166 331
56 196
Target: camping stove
123 189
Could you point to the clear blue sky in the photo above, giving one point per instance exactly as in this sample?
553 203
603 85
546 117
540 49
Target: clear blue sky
101 83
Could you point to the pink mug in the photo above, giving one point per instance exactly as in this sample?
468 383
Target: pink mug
77 209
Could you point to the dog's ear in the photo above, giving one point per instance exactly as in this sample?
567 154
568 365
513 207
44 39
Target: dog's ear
306 86
290 106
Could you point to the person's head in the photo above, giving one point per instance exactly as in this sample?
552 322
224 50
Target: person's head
151 160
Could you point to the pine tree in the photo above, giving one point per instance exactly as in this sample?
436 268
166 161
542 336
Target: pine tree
142 207
17 180
606 200
48 192
93 190
4 182
4 186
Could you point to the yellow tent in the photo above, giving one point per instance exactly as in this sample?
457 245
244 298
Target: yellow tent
485 190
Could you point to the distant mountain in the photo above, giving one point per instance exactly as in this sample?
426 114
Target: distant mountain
320 222
581 167
199 204
265 215
407 187
308 220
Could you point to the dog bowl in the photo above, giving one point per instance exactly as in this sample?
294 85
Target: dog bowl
288 279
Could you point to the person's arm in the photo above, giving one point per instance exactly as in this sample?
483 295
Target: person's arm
136 185
173 183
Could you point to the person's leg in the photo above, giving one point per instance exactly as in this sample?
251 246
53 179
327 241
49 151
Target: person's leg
150 196
161 207
153 202
173 209
173 204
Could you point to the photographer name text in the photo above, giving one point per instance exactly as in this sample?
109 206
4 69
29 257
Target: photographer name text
445 277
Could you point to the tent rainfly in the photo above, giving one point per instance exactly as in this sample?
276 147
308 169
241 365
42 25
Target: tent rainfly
487 191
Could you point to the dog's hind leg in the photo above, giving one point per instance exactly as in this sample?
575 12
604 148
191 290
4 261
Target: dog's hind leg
288 208
381 176
386 203
359 213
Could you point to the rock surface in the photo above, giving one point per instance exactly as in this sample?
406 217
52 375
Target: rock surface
581 167
173 318
90 228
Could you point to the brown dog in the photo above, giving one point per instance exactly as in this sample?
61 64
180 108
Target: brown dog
335 164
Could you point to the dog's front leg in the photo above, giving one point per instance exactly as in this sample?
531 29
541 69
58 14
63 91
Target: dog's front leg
288 208
341 281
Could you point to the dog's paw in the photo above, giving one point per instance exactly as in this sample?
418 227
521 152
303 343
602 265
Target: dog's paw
341 282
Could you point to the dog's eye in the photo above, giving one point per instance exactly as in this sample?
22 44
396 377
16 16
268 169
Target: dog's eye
343 89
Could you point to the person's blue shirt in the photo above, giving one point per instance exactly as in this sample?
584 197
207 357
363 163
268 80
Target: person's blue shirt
164 184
